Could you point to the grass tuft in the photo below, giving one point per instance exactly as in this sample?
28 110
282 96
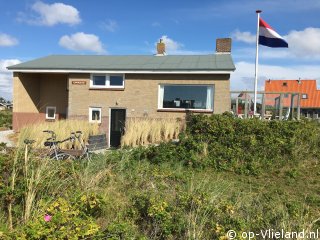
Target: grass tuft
150 131
62 128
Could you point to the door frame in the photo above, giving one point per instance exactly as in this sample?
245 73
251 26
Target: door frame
109 119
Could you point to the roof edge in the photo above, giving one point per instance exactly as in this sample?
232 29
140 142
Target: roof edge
122 71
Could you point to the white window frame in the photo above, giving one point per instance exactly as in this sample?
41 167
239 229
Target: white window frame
90 114
304 96
161 94
47 112
107 83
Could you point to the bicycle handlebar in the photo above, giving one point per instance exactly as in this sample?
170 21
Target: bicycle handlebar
48 131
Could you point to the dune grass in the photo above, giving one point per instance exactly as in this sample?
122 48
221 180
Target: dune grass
149 193
141 200
62 128
143 131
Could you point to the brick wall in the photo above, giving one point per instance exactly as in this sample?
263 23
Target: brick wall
32 93
140 95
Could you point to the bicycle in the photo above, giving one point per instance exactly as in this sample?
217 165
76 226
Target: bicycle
55 152
85 151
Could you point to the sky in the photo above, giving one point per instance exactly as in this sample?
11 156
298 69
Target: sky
31 29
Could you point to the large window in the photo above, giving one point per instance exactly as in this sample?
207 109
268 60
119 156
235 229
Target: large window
50 112
186 97
95 114
107 81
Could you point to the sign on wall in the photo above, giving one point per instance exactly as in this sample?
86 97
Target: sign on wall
78 82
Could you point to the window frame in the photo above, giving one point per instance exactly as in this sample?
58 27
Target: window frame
90 114
304 94
107 80
47 112
160 98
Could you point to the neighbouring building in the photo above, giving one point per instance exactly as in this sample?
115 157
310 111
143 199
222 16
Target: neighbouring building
109 89
309 94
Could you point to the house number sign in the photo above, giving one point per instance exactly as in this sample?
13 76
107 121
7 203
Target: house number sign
79 82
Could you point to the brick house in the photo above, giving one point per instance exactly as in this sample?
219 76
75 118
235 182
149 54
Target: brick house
109 89
309 94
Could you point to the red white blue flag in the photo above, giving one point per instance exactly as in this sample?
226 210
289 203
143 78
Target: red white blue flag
270 38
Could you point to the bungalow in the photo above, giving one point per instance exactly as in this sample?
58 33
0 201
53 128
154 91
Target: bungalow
109 89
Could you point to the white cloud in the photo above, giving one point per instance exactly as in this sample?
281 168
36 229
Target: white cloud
110 25
52 14
82 42
6 77
246 37
243 77
171 45
304 43
7 40
175 48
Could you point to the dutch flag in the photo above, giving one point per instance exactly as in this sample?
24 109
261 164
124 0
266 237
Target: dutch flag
270 38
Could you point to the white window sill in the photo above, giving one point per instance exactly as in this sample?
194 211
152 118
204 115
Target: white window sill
185 110
107 88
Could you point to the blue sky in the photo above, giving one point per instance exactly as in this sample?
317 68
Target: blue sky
30 29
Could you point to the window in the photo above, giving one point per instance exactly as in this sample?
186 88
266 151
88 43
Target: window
186 97
107 81
284 84
304 96
95 114
116 80
50 112
99 80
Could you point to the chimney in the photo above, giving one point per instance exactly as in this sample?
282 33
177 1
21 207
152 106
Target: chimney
223 45
161 48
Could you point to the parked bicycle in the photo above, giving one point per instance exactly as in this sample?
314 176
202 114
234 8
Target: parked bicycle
84 151
55 152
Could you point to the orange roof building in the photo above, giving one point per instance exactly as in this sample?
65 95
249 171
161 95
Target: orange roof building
310 95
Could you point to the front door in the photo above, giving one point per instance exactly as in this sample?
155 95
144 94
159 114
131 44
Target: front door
117 124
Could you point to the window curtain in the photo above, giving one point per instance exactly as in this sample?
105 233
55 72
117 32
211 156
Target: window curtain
160 97
209 104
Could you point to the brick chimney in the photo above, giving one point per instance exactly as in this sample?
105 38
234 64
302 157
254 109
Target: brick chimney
223 45
161 48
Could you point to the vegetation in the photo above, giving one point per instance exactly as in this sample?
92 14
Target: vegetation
62 128
5 119
144 131
225 173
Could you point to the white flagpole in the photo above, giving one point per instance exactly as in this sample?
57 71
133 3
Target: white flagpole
256 71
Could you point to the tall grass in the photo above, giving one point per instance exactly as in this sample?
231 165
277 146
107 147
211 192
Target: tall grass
142 131
62 128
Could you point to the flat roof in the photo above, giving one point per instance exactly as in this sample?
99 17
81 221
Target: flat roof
169 63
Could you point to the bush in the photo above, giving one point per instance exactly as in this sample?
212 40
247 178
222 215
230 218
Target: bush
5 119
243 146
61 220
247 146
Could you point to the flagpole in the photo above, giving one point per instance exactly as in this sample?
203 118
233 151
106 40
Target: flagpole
256 70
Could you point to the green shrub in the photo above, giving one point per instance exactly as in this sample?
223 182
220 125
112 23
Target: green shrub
65 221
6 119
243 146
121 230
250 145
